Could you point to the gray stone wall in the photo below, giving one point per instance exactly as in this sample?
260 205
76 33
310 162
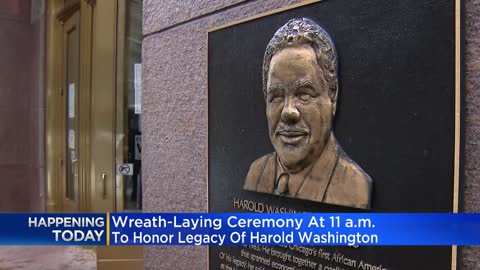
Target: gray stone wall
174 113
470 256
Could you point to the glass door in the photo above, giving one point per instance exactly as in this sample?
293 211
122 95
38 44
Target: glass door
128 106
125 36
71 63
68 105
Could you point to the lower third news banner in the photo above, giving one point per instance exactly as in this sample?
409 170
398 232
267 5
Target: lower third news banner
312 229
53 229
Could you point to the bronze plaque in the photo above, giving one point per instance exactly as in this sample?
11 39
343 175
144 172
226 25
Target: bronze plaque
336 106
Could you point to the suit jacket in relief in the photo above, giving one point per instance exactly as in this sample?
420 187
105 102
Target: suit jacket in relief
334 178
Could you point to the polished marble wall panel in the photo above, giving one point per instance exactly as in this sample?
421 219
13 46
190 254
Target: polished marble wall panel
21 108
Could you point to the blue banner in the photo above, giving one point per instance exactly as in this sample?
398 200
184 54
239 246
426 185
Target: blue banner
240 229
295 229
53 229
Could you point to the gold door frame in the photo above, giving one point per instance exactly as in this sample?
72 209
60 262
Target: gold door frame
102 102
101 89
57 13
99 59
71 24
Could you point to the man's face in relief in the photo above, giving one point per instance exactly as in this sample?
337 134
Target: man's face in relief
298 107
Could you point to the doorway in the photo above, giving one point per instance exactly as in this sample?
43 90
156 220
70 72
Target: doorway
93 112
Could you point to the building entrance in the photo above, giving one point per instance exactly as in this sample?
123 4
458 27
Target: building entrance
93 118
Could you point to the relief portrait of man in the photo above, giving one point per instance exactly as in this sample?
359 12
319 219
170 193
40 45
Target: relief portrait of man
300 85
